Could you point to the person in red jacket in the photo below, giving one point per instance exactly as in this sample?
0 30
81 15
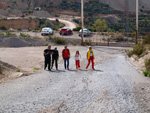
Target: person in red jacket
66 57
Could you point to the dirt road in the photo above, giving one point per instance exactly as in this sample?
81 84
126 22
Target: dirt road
68 24
114 87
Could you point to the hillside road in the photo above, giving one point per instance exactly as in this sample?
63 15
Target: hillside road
113 87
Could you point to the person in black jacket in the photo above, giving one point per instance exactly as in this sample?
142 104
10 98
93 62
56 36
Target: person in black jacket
47 54
55 57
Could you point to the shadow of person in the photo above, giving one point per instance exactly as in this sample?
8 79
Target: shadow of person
57 71
72 70
98 70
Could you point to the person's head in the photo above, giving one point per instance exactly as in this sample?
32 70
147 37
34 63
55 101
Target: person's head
65 47
77 52
49 47
55 48
90 48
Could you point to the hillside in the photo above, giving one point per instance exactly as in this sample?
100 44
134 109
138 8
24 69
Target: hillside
27 4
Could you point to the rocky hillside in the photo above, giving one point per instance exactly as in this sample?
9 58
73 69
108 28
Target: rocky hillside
116 4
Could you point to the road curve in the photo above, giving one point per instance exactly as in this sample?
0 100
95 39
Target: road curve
68 24
108 89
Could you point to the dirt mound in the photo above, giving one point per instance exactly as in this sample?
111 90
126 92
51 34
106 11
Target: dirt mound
7 68
20 42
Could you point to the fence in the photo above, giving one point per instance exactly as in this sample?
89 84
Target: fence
110 39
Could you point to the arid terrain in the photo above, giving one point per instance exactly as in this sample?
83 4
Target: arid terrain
115 86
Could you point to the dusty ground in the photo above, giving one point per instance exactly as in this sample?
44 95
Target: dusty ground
114 87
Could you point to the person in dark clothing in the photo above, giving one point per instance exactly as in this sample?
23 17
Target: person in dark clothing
55 57
66 56
47 54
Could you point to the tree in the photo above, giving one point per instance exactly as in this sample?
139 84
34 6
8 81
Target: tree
100 25
29 3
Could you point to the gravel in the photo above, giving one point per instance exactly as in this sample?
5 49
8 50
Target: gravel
112 88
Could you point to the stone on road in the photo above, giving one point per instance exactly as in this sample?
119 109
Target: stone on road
108 89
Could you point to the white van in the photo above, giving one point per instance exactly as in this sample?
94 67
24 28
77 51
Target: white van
47 31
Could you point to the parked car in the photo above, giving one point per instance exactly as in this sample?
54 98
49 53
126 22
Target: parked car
86 32
47 31
65 31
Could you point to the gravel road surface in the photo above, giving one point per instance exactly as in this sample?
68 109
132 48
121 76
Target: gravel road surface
111 88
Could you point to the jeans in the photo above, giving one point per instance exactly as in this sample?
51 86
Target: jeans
56 63
66 60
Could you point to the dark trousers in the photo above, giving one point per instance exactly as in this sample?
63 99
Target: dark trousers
66 60
47 62
56 63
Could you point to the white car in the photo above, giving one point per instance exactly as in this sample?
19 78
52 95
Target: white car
47 31
86 32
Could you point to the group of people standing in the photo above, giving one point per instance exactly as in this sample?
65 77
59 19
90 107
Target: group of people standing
48 53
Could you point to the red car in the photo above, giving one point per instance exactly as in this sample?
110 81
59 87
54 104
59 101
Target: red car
65 31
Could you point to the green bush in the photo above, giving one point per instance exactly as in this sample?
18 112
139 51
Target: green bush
35 68
49 37
46 44
29 29
146 40
9 33
130 53
25 35
0 69
2 34
19 29
76 21
77 28
138 49
147 64
37 28
3 28
18 70
59 40
146 73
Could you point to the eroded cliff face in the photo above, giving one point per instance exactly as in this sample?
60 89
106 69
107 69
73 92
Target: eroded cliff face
20 23
116 4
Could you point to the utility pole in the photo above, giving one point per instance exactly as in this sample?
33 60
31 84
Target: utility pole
137 16
82 20
127 18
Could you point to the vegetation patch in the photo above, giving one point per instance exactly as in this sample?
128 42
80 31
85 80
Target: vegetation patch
35 68
60 41
25 35
2 34
0 69
146 73
18 70
9 33
138 50
3 28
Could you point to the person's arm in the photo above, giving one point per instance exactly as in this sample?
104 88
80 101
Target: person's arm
63 54
93 54
87 55
80 55
69 53
44 53
58 54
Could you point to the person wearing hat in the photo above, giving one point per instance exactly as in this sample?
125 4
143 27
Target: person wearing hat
55 57
90 57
